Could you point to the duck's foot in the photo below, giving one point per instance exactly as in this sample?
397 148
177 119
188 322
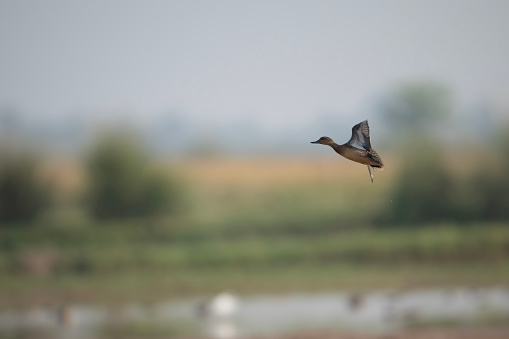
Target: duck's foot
370 173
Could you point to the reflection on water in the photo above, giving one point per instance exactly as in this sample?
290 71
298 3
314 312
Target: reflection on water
379 311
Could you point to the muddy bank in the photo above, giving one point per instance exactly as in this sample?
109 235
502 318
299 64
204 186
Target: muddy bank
471 333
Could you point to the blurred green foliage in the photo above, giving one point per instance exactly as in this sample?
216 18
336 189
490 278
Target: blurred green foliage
131 263
22 194
123 185
423 188
427 189
488 186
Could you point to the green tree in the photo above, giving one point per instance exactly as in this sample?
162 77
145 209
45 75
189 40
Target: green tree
121 182
490 184
422 191
22 194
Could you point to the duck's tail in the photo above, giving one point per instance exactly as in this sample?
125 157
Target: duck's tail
376 160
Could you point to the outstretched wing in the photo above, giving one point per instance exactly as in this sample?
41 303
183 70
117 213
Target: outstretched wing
360 136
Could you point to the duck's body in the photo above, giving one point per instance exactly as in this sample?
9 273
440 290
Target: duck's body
358 148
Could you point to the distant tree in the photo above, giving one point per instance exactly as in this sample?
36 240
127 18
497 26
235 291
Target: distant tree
22 194
426 190
491 185
422 190
121 182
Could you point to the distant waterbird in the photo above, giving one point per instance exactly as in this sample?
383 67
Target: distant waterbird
223 305
358 148
217 314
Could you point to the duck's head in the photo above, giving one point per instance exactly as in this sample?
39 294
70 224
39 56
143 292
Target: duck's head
323 141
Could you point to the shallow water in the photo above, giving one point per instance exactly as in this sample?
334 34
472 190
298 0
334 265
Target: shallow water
377 312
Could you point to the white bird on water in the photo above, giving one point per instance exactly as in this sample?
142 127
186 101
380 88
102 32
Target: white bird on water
217 314
223 305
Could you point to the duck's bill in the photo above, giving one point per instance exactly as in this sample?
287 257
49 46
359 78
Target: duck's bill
315 142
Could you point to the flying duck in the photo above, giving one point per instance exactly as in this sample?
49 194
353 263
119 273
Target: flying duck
358 148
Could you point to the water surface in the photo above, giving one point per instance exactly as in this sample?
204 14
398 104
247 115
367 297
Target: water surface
376 312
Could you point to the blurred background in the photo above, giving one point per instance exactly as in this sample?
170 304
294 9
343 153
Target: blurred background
157 178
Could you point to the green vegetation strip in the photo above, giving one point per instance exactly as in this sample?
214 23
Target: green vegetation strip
119 263
138 251
133 263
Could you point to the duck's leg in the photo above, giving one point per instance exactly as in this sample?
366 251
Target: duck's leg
370 173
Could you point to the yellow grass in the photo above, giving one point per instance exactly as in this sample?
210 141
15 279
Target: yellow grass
223 185
270 172
246 173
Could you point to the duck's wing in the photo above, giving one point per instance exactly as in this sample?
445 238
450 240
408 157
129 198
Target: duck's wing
360 136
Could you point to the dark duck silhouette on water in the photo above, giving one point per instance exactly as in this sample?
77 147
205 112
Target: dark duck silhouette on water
358 148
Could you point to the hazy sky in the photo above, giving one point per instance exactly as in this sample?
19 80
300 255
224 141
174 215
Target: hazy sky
279 62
